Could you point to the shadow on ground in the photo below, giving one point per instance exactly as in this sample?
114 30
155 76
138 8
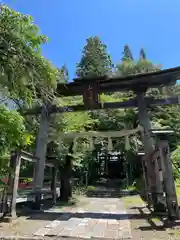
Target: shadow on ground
155 222
92 215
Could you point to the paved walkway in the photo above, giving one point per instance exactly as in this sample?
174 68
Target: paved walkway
101 218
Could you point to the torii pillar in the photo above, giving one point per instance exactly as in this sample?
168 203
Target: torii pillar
149 147
41 149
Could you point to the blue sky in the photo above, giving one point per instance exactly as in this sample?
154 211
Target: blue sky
151 24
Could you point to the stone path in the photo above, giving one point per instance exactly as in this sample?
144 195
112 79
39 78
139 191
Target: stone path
101 218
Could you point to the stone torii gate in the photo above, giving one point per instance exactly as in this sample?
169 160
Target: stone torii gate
91 88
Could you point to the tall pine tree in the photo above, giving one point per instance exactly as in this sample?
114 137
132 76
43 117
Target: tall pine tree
142 54
62 75
95 60
127 54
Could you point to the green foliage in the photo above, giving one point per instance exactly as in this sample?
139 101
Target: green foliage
70 122
95 60
175 156
79 191
127 55
142 54
91 188
13 135
62 75
132 67
26 180
23 70
12 130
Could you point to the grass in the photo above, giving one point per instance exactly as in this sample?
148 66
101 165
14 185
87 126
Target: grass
79 196
91 188
135 200
131 201
175 232
76 201
177 184
81 190
70 203
129 188
135 186
156 220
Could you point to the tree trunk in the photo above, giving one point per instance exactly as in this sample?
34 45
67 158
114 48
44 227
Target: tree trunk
65 190
65 175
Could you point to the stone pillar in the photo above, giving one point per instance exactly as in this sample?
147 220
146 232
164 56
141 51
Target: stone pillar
145 178
13 181
41 148
170 190
53 184
152 167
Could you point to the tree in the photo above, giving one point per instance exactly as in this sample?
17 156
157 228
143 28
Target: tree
175 156
142 54
24 73
163 116
95 60
107 119
13 135
62 75
67 159
63 148
12 129
127 55
132 67
26 77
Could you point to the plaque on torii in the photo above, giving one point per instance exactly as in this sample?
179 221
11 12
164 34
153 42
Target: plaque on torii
91 95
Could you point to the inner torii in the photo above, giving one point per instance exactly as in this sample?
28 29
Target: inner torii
91 88
107 134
